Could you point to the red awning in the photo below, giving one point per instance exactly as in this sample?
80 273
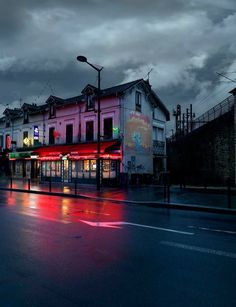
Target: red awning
78 149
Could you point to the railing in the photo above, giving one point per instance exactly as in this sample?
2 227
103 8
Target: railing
158 147
215 112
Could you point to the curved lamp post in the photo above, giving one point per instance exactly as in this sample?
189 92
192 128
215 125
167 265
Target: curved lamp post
83 59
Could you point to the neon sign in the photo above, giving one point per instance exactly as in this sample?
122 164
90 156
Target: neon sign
36 132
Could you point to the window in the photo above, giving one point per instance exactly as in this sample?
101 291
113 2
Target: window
89 96
51 135
155 133
69 134
155 114
7 123
89 131
26 117
160 135
52 111
108 129
90 102
138 101
89 169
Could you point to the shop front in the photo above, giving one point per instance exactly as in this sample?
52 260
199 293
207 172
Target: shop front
23 165
77 163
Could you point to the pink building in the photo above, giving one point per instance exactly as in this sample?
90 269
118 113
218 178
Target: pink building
59 138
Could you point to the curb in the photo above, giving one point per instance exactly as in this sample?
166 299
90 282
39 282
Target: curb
153 204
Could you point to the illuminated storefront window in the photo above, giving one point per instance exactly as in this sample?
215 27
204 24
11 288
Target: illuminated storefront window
89 168
83 169
51 169
109 169
78 163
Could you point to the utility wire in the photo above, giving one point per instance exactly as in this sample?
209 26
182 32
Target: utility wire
226 77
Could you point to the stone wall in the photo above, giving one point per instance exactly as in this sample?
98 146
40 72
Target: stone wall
205 156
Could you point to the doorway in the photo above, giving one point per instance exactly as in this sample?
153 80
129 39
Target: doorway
65 177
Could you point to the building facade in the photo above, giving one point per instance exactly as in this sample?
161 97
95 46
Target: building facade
58 140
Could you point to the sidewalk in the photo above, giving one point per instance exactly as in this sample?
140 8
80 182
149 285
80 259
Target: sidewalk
192 198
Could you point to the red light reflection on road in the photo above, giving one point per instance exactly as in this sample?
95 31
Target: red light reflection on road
64 208
11 201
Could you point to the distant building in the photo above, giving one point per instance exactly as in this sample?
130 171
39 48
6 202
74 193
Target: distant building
205 154
58 140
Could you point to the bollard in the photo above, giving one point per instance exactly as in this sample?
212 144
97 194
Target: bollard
229 194
75 187
28 184
164 192
11 182
168 193
50 184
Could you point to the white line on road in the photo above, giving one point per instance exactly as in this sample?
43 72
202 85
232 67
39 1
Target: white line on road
212 229
117 224
200 249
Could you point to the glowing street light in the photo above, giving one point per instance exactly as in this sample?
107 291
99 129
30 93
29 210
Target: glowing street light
83 59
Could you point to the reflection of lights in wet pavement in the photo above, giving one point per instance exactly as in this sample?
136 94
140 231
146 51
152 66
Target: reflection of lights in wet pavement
66 190
43 217
89 212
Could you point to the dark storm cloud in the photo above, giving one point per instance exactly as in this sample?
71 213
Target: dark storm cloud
183 42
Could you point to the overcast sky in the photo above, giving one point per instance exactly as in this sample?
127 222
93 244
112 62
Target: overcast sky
184 42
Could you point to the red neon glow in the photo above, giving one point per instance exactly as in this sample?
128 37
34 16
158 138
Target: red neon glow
89 148
8 141
56 134
51 158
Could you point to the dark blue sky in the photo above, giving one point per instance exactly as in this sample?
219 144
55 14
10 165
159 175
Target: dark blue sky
184 43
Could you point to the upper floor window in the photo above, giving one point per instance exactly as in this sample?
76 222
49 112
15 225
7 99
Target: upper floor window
90 102
26 117
69 134
52 135
89 94
155 133
8 123
52 111
160 134
89 130
138 104
108 128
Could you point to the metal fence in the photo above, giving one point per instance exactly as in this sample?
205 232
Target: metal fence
215 112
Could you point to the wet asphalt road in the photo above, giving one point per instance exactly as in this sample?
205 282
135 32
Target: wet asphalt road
72 252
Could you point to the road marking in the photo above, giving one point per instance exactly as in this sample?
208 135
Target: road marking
212 229
44 217
89 212
200 249
118 224
102 224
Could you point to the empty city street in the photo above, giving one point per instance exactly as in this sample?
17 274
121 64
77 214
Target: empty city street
59 251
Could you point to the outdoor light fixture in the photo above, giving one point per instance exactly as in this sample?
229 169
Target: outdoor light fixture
83 59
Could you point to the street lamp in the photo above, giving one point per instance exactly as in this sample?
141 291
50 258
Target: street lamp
83 59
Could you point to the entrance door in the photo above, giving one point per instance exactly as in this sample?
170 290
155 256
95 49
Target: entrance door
65 170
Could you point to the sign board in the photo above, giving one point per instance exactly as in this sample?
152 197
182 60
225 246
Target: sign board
36 132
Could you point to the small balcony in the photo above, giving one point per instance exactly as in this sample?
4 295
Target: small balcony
158 148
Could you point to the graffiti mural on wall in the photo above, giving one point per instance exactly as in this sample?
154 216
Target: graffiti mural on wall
138 133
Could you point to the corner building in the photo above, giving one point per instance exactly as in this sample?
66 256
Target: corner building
57 141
